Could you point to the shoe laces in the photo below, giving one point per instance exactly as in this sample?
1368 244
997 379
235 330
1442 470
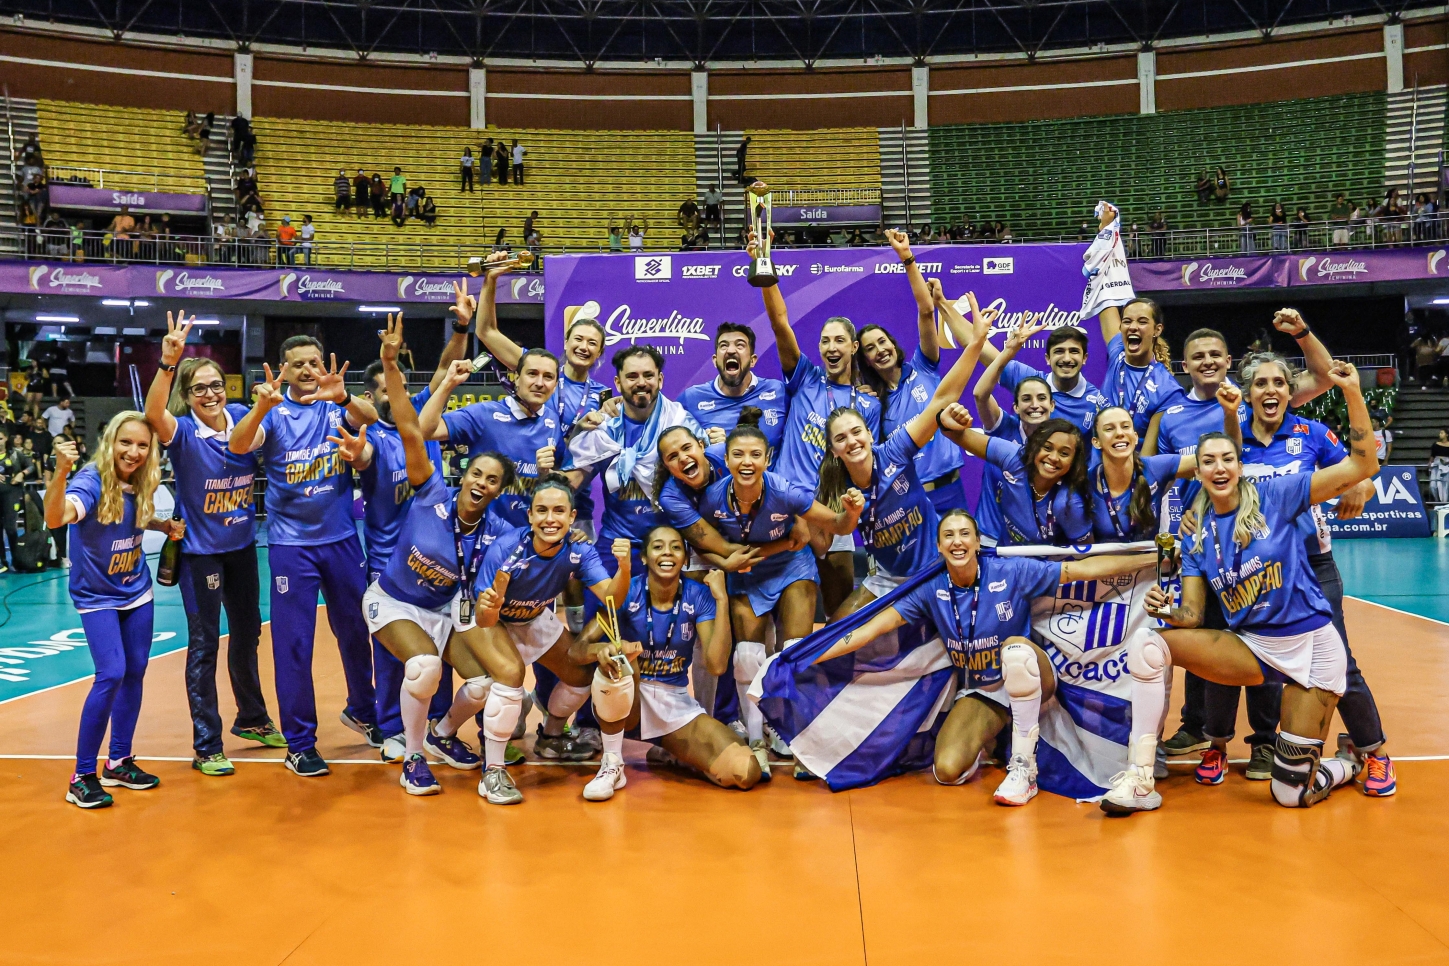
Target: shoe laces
1378 768
1212 760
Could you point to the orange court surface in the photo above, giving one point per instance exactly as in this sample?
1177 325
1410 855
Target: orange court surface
267 868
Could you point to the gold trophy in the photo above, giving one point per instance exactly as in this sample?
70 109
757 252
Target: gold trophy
762 270
521 259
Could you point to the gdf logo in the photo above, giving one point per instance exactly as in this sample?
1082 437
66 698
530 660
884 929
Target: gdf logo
699 271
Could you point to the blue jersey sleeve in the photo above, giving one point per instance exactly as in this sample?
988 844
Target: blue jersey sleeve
921 362
1115 348
1327 446
497 555
900 448
1193 564
435 491
1015 373
85 486
466 426
590 569
677 507
805 372
716 456
701 600
1035 578
1161 470
916 606
1005 454
1073 516
1289 495
798 499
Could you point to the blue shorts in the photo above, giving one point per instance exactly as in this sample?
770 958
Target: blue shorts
766 581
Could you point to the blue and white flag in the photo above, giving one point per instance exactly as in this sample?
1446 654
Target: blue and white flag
865 716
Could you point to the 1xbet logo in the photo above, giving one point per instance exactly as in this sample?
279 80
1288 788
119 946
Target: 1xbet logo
699 271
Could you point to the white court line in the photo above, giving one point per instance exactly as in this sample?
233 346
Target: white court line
330 761
1406 613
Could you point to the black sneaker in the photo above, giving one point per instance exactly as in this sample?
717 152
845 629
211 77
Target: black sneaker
1185 743
371 732
128 775
1260 765
307 763
86 792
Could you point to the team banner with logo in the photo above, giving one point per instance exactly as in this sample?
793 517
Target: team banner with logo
1278 271
1395 509
857 719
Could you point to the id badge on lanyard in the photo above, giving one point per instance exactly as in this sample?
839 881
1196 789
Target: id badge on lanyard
467 570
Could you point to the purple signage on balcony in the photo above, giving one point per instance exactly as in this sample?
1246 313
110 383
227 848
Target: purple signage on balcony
79 196
826 215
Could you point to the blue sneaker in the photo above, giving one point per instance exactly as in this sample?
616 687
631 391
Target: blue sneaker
453 750
307 764
369 731
417 778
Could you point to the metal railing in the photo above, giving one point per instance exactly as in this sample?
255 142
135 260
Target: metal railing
808 197
10 156
1386 360
122 180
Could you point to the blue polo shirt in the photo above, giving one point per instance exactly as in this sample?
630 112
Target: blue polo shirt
1079 405
1183 424
1299 446
504 426
712 409
213 485
309 485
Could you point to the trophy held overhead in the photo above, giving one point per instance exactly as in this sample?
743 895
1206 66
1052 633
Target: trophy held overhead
762 269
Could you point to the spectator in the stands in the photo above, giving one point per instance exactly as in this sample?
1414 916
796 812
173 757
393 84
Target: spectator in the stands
636 233
713 198
30 154
465 170
255 236
1426 354
741 155
856 238
500 161
1383 438
485 161
529 226
518 152
1425 223
1278 219
1003 232
694 239
687 213
1157 234
377 193
342 189
306 234
1222 187
1339 214
78 229
413 200
616 235
498 243
58 416
191 124
224 239
1245 228
399 213
1298 236
146 240
360 187
286 242
1204 187
1441 368
121 228
203 137
429 211
398 186
927 234
56 235
1439 467
1086 230
247 193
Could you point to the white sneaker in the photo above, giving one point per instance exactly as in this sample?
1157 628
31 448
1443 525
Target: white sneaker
1020 784
778 748
610 778
738 727
394 749
762 755
1132 791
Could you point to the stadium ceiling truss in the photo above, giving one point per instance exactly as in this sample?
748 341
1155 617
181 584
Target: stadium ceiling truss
698 32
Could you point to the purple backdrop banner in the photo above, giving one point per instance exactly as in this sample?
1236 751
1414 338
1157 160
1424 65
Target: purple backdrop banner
826 215
271 284
1214 273
78 196
1306 268
675 302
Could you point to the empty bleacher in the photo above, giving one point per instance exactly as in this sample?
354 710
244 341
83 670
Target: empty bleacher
1042 177
128 148
578 181
833 158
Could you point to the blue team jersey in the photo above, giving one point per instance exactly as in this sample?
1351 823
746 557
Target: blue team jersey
534 580
386 492
898 524
678 503
309 486
1143 391
504 426
1267 587
628 511
1060 518
771 518
1182 425
107 566
1112 515
213 486
988 509
573 401
1299 446
812 400
714 410
422 568
919 379
974 621
668 635
1078 406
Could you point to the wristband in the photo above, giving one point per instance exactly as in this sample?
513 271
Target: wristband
1306 332
909 260
166 368
938 421
462 328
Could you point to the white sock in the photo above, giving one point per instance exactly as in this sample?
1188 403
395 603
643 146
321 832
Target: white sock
1025 715
614 744
463 708
415 721
495 750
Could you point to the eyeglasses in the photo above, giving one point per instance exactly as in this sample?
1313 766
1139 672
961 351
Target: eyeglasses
212 388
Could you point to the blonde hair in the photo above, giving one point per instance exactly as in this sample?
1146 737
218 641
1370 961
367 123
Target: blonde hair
1250 513
179 404
111 507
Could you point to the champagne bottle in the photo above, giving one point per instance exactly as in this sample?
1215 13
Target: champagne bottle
168 571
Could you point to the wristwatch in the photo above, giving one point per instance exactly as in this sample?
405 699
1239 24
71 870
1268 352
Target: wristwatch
165 368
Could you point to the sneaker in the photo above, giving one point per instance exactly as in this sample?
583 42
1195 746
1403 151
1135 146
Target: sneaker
761 750
513 755
1131 791
86 792
417 778
4 569
307 764
1213 769
371 732
266 734
454 752
559 748
590 738
1379 781
1260 764
803 774
1020 784
1159 764
521 729
394 749
778 748
661 756
610 779
213 765
497 786
128 775
1185 743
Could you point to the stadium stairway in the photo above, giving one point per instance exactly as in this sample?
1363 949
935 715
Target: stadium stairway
714 163
219 170
21 122
1419 414
1414 128
905 176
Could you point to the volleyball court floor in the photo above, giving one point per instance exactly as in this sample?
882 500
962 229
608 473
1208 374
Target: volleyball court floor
267 868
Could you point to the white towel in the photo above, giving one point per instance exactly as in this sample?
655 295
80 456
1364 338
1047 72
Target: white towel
638 461
1109 283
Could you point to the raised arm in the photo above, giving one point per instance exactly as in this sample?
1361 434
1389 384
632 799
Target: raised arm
618 587
504 349
986 403
1317 360
457 346
430 422
716 639
244 433
1229 397
785 341
922 426
405 417
925 304
1363 461
960 328
882 622
173 346
59 511
1110 317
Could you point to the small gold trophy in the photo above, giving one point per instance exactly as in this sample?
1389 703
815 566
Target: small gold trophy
762 270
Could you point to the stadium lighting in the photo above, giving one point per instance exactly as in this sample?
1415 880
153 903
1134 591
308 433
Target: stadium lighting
57 318
206 322
133 332
1441 301
378 308
126 303
104 330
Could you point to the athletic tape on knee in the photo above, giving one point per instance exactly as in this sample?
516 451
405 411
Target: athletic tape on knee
613 700
566 699
1295 768
1147 655
500 713
735 767
749 658
421 674
1020 671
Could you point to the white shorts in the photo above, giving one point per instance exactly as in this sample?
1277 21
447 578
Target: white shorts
1316 659
665 708
380 609
842 543
534 638
881 583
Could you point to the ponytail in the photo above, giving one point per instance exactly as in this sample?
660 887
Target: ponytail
1141 510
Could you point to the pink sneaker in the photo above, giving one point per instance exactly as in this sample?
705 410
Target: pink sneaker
1213 769
1378 776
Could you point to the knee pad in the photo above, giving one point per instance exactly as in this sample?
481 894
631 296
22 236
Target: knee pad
421 675
749 658
1295 771
735 767
566 699
1020 671
476 689
613 700
1148 656
500 713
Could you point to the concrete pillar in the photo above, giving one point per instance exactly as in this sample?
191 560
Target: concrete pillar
1394 56
920 95
1147 82
477 97
699 92
241 70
